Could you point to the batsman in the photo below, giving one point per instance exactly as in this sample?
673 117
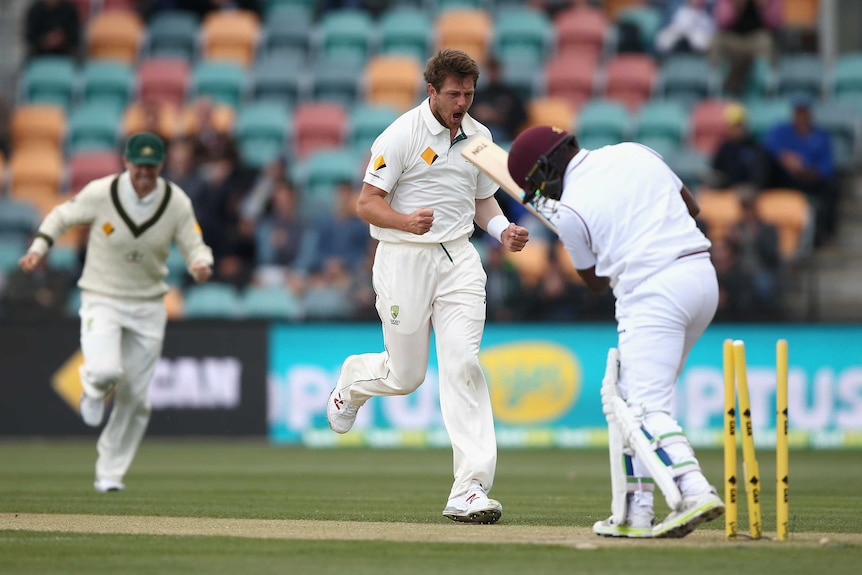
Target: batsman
627 222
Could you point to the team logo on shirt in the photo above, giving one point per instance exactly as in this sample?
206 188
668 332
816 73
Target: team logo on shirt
393 311
134 257
108 228
429 155
379 162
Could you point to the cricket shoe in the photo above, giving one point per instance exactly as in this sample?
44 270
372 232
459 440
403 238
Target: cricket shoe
340 413
92 410
474 507
694 510
638 524
105 485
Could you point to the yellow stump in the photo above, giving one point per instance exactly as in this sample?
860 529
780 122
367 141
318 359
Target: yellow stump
730 465
782 478
749 459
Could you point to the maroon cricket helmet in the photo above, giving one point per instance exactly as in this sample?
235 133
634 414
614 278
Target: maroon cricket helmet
529 165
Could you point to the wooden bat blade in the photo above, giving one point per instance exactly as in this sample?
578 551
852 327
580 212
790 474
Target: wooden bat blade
493 161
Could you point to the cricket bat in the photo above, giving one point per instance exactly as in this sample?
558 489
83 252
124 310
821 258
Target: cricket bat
493 160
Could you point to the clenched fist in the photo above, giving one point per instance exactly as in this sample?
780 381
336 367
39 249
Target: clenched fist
29 261
419 222
515 237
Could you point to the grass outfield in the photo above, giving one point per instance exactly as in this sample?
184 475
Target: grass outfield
248 507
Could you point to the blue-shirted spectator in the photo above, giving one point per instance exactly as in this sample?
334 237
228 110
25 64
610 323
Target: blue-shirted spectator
802 158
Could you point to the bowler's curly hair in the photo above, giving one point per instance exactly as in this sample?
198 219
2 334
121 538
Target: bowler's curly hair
449 62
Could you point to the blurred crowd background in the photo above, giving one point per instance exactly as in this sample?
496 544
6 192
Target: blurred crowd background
269 108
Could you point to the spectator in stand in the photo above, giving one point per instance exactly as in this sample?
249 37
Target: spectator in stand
802 158
279 237
210 142
52 28
255 203
180 168
38 295
499 106
740 161
690 29
745 32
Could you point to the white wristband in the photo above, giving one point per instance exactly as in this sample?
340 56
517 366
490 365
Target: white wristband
497 226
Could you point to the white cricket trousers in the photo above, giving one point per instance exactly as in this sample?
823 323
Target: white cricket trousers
420 286
121 341
658 323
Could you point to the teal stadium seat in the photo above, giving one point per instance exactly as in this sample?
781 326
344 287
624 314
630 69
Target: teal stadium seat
17 219
662 125
107 83
94 127
763 113
211 300
336 80
602 122
522 34
10 253
799 73
366 122
262 132
690 165
846 81
222 80
326 303
843 122
278 79
346 35
407 31
317 176
64 258
271 303
287 29
73 302
646 19
50 80
687 79
271 6
172 34
177 272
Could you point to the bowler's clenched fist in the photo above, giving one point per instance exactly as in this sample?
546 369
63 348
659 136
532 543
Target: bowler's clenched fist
419 222
29 261
515 237
201 271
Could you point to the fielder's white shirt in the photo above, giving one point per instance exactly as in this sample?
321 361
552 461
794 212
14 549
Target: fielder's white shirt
621 211
415 161
126 256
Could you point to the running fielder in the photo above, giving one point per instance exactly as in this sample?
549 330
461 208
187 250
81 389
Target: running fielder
134 218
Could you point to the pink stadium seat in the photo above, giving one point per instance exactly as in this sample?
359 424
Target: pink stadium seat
570 77
87 166
708 125
163 81
581 29
318 125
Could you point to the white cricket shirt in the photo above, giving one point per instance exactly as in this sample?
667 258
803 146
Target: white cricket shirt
417 164
621 211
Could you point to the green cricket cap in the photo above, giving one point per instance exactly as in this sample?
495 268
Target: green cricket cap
145 148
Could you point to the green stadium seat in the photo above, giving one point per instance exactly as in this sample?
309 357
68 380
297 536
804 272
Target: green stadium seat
366 122
107 83
272 6
17 218
690 165
287 28
602 122
799 73
271 303
646 19
279 79
843 122
405 31
317 176
846 81
686 78
177 271
346 35
336 80
172 34
262 132
763 113
50 80
222 80
211 300
93 127
522 33
662 125
64 258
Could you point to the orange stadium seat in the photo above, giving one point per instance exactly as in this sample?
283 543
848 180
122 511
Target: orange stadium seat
550 112
630 79
800 13
158 118
40 124
571 77
163 81
720 210
85 167
613 8
466 29
318 125
231 35
788 210
581 29
115 35
36 175
708 125
223 118
532 262
392 80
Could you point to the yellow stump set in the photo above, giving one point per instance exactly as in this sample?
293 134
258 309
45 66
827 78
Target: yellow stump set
736 386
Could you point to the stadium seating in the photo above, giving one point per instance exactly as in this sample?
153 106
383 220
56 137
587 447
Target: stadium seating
35 170
18 219
764 113
223 81
318 125
708 124
93 127
287 29
405 31
470 30
317 176
42 124
789 211
211 300
571 77
522 34
115 35
720 209
163 81
644 18
581 30
392 80
662 125
262 132
366 123
550 112
277 78
84 167
615 8
336 80
346 35
107 84
686 78
222 117
799 73
630 79
690 165
172 34
48 80
846 80
271 303
158 118
843 122
601 123
230 35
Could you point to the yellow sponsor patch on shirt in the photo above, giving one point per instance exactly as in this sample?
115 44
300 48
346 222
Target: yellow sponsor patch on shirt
198 228
108 228
429 155
379 162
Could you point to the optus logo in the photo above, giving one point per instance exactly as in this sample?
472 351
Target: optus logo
531 382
